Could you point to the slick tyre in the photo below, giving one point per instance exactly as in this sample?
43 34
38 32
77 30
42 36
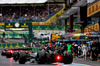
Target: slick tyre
8 55
22 58
2 53
15 56
41 57
68 59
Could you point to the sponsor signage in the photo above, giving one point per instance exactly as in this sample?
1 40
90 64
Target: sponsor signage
17 26
11 45
15 29
92 28
93 9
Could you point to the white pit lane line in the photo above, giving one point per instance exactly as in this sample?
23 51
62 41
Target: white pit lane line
62 64
73 64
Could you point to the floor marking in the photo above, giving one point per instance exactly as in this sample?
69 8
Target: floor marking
73 64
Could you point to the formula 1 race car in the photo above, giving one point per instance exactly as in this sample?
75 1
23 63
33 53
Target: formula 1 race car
42 56
7 53
47 56
3 53
14 52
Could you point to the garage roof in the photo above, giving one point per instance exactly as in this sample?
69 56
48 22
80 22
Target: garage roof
80 3
56 0
21 1
71 11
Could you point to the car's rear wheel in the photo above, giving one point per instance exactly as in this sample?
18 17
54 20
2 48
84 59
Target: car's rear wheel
2 53
22 58
15 56
68 59
41 57
8 55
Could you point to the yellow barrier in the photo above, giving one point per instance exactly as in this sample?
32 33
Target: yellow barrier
55 36
2 23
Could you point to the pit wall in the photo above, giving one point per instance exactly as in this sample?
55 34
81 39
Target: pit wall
47 27
11 45
17 45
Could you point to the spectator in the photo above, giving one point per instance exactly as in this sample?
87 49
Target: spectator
51 23
8 19
27 12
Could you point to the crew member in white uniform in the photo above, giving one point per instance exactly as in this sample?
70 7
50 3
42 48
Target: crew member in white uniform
84 49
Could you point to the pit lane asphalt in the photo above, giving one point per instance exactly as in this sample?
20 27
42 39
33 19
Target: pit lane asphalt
76 62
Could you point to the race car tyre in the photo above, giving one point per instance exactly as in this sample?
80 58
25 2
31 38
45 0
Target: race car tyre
41 57
8 55
48 59
68 59
22 58
15 56
3 53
